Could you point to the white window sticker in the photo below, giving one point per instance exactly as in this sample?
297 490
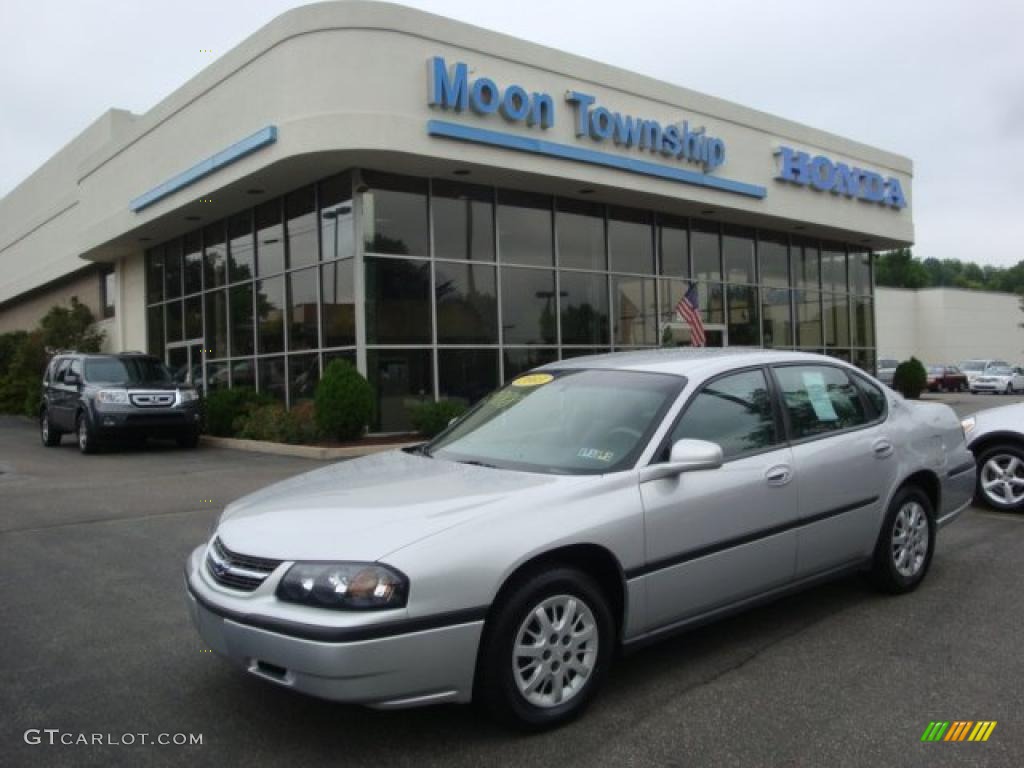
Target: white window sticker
814 383
595 454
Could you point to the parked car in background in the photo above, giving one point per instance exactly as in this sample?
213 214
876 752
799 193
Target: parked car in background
101 397
998 380
996 437
946 378
592 504
887 369
974 368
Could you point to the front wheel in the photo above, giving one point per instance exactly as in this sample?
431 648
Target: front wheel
86 435
1001 477
546 650
49 434
905 545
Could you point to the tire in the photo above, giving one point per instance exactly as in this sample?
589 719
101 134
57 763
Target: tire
899 564
999 465
503 678
188 441
86 435
49 435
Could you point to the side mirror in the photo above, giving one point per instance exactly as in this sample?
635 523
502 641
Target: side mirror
71 379
686 456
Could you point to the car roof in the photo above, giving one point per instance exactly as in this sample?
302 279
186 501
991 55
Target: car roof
695 362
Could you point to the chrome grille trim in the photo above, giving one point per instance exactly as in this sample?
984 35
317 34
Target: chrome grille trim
152 399
237 571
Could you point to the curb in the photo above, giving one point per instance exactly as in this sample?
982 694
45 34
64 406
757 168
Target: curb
321 453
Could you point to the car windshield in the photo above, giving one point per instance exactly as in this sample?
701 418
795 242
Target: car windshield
1000 370
973 365
562 422
129 370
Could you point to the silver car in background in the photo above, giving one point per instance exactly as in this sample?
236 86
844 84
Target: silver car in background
974 368
591 505
996 437
997 380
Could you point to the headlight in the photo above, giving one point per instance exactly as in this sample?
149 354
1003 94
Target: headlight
968 425
344 586
113 396
187 396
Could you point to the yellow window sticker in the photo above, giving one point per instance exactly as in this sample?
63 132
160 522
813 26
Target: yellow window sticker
533 380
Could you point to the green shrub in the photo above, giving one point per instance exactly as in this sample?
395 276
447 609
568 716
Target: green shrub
225 406
344 402
910 378
431 418
20 383
274 423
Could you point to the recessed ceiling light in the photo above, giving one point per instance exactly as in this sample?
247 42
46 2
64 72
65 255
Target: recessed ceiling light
799 226
586 191
460 172
706 212
254 191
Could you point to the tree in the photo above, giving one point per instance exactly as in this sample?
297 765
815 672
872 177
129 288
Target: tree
899 269
70 328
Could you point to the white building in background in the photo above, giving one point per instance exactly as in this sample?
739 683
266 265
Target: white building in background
947 325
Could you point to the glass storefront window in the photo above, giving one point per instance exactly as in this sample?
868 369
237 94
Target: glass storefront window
172 269
837 320
863 323
865 360
395 214
194 317
243 373
744 326
706 248
216 376
738 254
300 216
215 260
193 263
521 359
270 314
269 239
583 298
806 262
337 236
271 375
397 301
860 272
630 240
155 275
240 247
303 331
467 303
217 323
528 306
303 376
401 379
348 355
833 268
773 258
174 321
463 221
580 228
241 320
337 295
155 330
809 327
674 242
635 311
672 329
466 375
777 321
524 228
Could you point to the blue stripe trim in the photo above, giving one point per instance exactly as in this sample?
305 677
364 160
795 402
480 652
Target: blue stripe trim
564 151
225 157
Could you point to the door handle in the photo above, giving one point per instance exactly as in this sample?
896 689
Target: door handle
883 449
778 475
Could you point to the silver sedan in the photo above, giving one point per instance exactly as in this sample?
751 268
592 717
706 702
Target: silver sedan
591 505
996 436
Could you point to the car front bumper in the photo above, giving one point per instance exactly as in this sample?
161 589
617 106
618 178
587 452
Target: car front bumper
172 422
400 670
987 386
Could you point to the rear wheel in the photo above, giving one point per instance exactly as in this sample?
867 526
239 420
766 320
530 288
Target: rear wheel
1001 477
905 545
50 435
546 650
86 435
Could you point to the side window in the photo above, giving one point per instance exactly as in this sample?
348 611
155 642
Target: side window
875 396
734 411
76 368
820 399
62 368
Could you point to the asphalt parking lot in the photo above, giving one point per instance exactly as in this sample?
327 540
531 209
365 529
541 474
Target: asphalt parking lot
95 638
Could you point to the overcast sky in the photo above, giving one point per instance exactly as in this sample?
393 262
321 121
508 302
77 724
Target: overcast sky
941 81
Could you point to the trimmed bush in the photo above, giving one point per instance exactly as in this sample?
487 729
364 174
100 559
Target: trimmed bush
344 402
272 422
910 378
225 406
430 419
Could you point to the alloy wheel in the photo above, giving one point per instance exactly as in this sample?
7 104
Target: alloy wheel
83 435
910 539
46 428
1002 479
555 651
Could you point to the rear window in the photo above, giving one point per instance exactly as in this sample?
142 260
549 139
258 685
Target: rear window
819 399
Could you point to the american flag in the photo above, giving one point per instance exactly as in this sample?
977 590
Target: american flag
689 312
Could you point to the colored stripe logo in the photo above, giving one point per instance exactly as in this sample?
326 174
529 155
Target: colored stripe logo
959 730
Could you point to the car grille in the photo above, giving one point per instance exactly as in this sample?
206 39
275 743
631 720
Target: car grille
152 399
241 572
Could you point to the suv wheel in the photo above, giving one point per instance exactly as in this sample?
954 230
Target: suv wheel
546 650
50 435
1001 477
905 545
86 435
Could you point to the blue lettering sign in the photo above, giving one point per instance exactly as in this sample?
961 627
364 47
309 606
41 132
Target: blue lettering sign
823 174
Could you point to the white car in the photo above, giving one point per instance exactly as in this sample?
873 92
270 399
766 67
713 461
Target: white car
999 380
974 368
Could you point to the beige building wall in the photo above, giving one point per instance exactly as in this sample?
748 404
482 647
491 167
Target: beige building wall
26 313
947 325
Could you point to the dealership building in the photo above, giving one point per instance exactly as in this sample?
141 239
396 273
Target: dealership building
445 207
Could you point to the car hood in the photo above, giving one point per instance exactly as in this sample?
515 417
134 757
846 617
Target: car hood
365 508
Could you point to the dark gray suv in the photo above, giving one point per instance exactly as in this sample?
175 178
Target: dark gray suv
132 395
